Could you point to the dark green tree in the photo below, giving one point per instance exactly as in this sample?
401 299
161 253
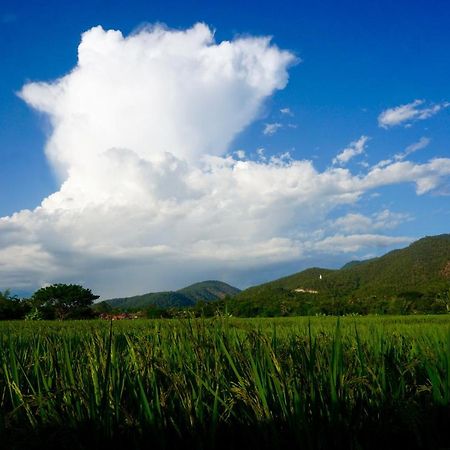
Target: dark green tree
64 301
11 307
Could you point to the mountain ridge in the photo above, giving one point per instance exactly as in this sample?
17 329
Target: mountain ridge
206 291
420 270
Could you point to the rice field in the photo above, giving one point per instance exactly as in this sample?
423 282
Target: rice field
309 383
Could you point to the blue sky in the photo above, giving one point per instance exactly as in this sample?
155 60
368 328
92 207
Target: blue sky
354 61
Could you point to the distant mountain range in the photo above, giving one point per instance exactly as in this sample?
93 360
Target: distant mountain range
207 291
421 269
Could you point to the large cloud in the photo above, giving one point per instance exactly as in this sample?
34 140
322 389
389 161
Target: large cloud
149 198
157 91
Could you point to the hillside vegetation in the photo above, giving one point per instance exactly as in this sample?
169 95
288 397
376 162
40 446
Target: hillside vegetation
413 279
206 291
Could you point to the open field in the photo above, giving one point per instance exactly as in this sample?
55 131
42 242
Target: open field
360 382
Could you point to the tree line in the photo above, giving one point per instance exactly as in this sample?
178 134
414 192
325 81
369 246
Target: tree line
71 301
58 301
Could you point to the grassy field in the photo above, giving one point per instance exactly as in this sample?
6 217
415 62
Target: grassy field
320 382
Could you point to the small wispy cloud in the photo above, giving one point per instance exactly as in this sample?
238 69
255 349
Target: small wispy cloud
355 148
419 145
271 128
408 113
286 111
359 223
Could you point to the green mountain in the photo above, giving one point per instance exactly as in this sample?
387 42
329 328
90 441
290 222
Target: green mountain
351 264
417 273
206 291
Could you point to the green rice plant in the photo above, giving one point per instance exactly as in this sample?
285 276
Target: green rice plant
321 382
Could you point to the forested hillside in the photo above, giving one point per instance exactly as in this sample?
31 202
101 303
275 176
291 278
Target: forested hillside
416 278
206 291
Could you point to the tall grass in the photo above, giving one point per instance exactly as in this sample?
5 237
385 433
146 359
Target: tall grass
310 383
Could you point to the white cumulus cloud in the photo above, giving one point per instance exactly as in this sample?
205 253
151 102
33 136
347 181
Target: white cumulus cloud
149 198
156 91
